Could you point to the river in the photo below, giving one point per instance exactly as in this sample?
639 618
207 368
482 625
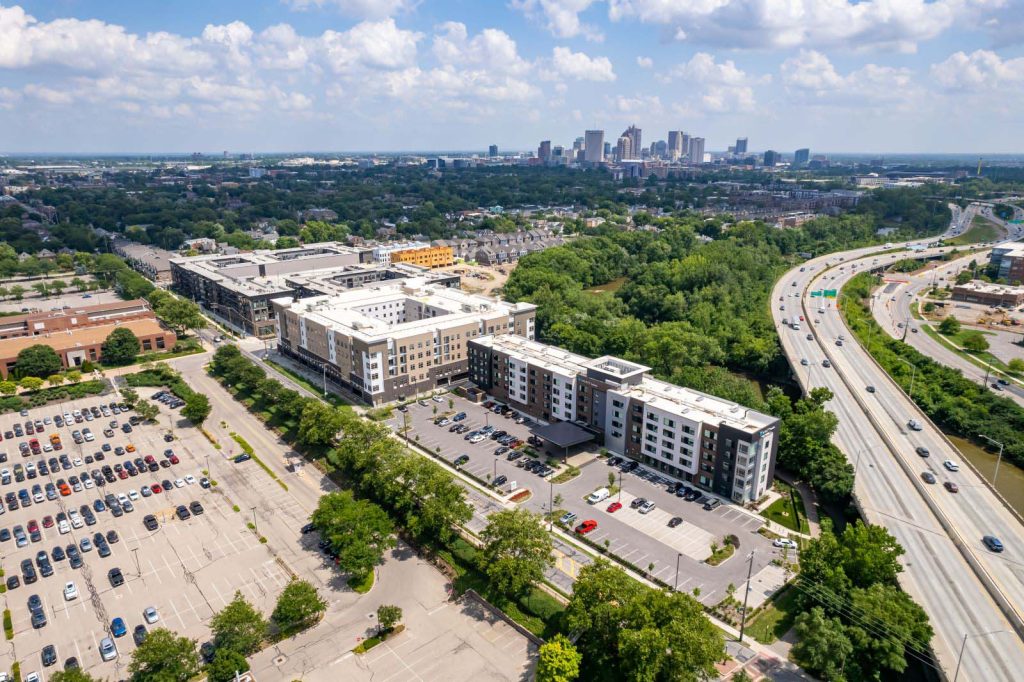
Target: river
1011 479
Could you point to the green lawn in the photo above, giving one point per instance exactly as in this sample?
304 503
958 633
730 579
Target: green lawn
781 511
974 358
981 230
776 619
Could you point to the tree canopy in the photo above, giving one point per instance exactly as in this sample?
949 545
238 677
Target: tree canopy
37 361
121 347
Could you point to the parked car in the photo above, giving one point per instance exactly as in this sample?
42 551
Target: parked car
586 527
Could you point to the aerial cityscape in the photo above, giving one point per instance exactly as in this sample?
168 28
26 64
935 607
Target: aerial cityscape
544 340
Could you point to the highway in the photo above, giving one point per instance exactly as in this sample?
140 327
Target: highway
965 589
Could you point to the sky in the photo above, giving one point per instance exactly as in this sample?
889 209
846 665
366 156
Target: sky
152 76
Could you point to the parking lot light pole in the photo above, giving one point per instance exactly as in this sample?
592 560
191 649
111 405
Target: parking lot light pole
746 593
254 526
620 486
551 505
135 553
998 460
675 585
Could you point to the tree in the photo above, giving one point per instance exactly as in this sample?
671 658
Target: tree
226 662
742 675
975 342
319 424
949 326
147 410
74 376
238 626
517 550
37 361
929 307
79 284
8 387
558 660
55 379
130 396
388 616
823 646
1016 366
359 531
17 292
298 607
71 675
121 347
164 656
42 289
58 285
31 383
180 314
197 408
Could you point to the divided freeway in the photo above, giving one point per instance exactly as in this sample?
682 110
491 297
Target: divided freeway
974 598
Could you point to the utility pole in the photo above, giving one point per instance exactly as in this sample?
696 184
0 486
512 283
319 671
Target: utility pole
746 594
620 487
254 526
675 584
999 460
551 505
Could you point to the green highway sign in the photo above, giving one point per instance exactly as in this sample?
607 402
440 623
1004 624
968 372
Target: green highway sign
830 293
816 294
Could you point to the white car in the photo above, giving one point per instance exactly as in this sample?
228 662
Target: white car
785 542
150 615
77 461
64 528
70 591
87 482
47 447
647 507
178 483
76 519
133 495
122 498
477 438
190 479
951 465
32 677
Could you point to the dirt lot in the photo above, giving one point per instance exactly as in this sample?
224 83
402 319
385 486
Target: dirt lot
481 279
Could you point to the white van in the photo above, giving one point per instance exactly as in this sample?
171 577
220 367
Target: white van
599 495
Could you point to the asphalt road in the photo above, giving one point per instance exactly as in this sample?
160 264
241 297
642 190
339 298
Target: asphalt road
945 562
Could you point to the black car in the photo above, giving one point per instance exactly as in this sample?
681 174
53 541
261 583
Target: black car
150 522
244 457
38 619
49 655
112 536
500 480
674 521
116 577
74 557
195 507
13 582
71 664
58 553
308 528
139 634
5 534
34 602
183 512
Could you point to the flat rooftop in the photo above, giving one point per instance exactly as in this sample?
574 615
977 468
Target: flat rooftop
983 287
659 394
414 306
78 338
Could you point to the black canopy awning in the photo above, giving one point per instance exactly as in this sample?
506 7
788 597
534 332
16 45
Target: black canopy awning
563 434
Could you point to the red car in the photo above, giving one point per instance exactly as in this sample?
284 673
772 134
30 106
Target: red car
156 488
65 490
174 459
951 487
122 474
47 521
33 526
586 526
614 507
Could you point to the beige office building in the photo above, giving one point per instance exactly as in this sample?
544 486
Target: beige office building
393 340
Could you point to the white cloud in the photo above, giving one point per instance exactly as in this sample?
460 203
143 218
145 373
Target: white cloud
378 44
560 17
980 71
361 9
644 62
853 24
716 87
639 105
8 98
48 95
580 66
811 78
491 49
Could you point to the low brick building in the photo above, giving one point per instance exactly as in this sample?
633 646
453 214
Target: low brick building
41 323
76 346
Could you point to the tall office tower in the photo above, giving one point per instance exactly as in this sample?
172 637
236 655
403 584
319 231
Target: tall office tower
801 157
741 145
675 144
624 149
771 158
577 145
661 149
695 153
594 146
557 152
635 136
607 150
492 150
544 151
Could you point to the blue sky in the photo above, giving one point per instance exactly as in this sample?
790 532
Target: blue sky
309 75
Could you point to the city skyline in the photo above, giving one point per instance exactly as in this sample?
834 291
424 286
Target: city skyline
399 75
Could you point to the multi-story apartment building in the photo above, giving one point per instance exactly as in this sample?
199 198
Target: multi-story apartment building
426 257
691 436
1008 260
395 339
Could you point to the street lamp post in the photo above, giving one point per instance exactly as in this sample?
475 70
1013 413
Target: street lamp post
746 593
913 374
675 584
999 459
963 645
551 505
619 499
254 526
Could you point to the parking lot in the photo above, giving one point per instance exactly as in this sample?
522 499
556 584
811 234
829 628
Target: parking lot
186 569
644 540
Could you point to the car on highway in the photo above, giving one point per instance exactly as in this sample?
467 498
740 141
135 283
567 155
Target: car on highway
785 543
928 477
951 487
870 389
914 425
804 362
993 543
922 451
951 465
826 363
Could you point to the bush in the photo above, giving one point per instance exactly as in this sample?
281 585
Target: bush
8 625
